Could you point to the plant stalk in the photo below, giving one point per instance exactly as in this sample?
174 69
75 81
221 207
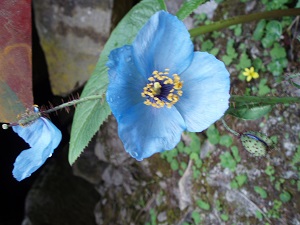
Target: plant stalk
243 19
264 100
73 102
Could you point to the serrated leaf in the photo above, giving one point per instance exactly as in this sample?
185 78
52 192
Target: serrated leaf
188 7
274 27
252 112
90 115
15 59
294 84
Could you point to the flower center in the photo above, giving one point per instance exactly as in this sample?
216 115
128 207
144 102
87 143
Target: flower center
162 90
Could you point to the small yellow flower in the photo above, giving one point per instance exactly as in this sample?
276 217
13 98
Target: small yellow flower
250 73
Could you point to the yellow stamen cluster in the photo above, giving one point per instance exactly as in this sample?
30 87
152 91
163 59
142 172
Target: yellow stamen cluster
162 90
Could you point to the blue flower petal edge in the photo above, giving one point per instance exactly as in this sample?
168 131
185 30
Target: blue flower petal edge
159 87
43 137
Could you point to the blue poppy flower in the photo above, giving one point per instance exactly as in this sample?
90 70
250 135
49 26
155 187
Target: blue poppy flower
159 87
43 137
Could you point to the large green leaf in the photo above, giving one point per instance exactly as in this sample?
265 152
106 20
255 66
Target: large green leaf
188 7
90 115
249 112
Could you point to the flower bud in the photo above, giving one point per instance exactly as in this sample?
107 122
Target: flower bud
5 126
256 143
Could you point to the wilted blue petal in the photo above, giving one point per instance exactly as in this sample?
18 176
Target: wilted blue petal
126 83
146 130
205 92
43 137
163 42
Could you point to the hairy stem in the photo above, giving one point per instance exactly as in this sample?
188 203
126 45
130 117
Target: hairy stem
74 102
229 129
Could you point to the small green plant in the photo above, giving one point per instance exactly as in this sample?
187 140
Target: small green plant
231 53
258 215
235 153
226 140
202 204
270 171
285 196
278 184
213 135
239 181
196 217
260 191
224 217
274 212
227 161
152 217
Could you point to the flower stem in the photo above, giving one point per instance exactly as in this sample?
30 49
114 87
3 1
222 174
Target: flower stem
243 19
264 100
229 129
73 102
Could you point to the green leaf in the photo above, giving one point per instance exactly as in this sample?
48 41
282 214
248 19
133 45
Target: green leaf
227 161
214 51
277 52
162 4
245 62
89 116
285 196
207 45
235 153
260 191
203 205
263 89
241 179
226 59
274 27
213 135
174 165
259 30
188 7
226 140
249 112
276 67
224 217
294 84
196 217
258 215
234 184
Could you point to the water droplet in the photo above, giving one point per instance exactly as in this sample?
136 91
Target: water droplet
128 59
50 155
111 99
134 154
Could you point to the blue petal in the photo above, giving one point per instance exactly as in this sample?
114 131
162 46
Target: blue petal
125 82
163 42
205 92
43 137
146 130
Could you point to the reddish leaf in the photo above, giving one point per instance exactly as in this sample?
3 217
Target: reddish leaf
15 59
